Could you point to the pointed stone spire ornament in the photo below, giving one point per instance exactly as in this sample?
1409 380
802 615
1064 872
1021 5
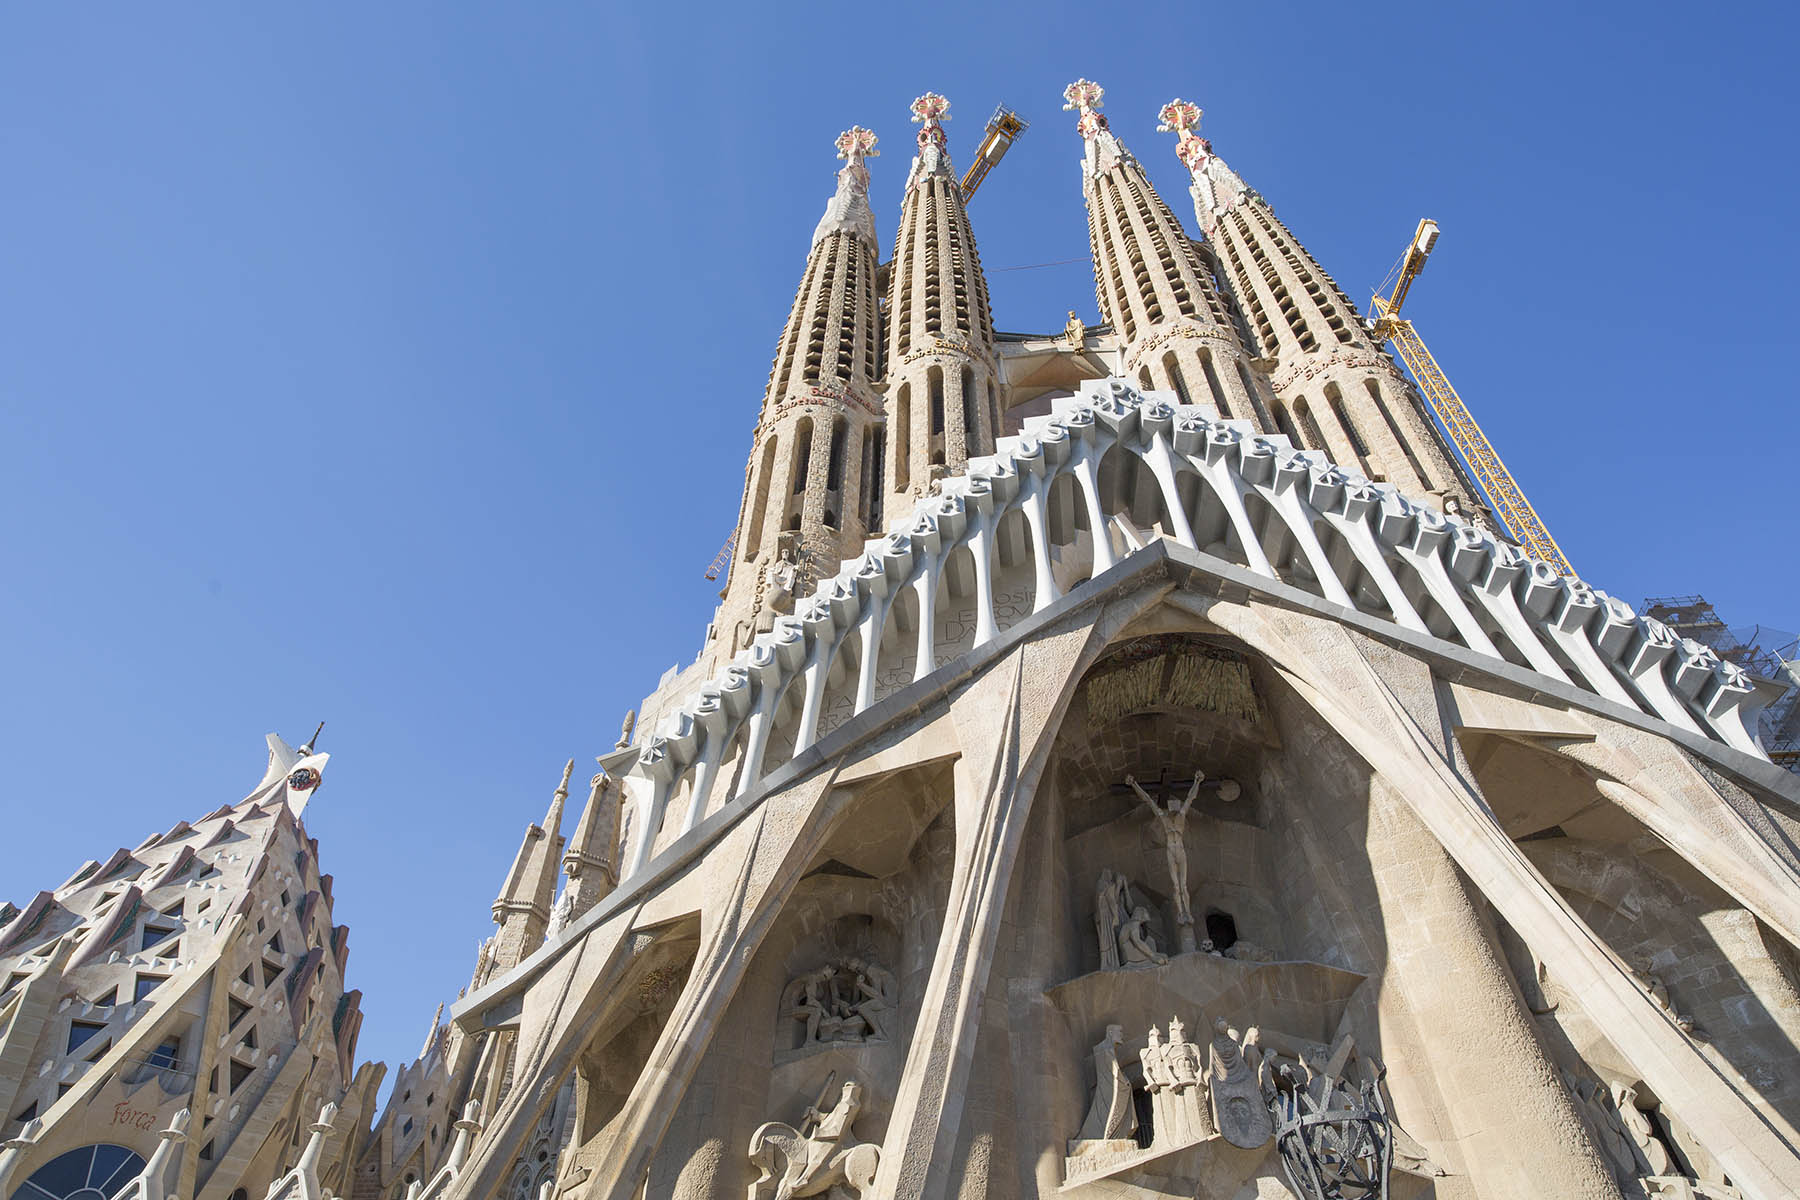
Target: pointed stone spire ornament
929 112
848 210
1216 187
1104 150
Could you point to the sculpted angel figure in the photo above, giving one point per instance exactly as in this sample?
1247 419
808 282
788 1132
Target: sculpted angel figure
1173 820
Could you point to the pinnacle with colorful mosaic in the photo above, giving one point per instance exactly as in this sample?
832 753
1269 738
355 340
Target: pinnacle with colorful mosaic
929 112
1182 118
1084 96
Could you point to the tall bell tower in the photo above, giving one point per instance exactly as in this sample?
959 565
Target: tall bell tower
1335 390
1157 289
943 386
812 483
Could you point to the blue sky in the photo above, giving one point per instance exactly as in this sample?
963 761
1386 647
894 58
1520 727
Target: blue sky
395 365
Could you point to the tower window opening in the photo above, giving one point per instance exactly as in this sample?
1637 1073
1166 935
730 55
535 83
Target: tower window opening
903 437
830 519
1315 437
760 502
935 380
834 467
994 412
802 455
1285 425
1406 447
971 414
1335 399
1172 365
1213 385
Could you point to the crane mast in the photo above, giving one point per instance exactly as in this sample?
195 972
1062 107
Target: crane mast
1003 128
1503 491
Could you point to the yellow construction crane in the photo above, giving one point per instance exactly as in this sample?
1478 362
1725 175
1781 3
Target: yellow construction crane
1503 491
1003 129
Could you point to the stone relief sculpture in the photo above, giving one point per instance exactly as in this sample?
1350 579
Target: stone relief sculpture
1111 1115
1173 821
1136 946
822 1157
850 1001
1239 1108
1633 1145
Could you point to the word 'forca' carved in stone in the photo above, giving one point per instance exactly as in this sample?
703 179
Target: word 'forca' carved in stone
848 1001
822 1157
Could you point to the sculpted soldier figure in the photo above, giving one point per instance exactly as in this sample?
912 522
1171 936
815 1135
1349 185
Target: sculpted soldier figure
821 1157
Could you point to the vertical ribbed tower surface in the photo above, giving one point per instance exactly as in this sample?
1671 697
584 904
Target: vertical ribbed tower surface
1335 389
943 390
1156 288
812 484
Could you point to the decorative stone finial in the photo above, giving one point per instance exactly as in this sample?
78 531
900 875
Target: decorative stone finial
1182 118
929 112
856 144
848 210
1084 96
1216 187
562 789
1103 150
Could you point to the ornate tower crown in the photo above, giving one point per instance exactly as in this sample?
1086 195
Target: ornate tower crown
1084 96
928 112
1182 118
848 210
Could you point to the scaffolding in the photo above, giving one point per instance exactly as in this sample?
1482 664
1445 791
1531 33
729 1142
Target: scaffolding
1761 650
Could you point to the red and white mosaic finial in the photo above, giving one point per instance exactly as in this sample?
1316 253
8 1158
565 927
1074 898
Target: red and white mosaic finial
856 144
1182 118
1084 96
848 210
929 112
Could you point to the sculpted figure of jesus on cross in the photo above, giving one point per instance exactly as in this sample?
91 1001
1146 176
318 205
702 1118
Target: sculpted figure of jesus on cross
1173 820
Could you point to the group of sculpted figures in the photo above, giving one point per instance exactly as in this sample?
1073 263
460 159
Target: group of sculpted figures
848 1001
1195 1092
1124 926
1632 1143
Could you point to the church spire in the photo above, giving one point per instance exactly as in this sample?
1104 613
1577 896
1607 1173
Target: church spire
809 490
1159 291
522 910
1334 388
592 859
943 382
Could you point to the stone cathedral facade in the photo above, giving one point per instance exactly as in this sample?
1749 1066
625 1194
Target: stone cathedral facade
1125 762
